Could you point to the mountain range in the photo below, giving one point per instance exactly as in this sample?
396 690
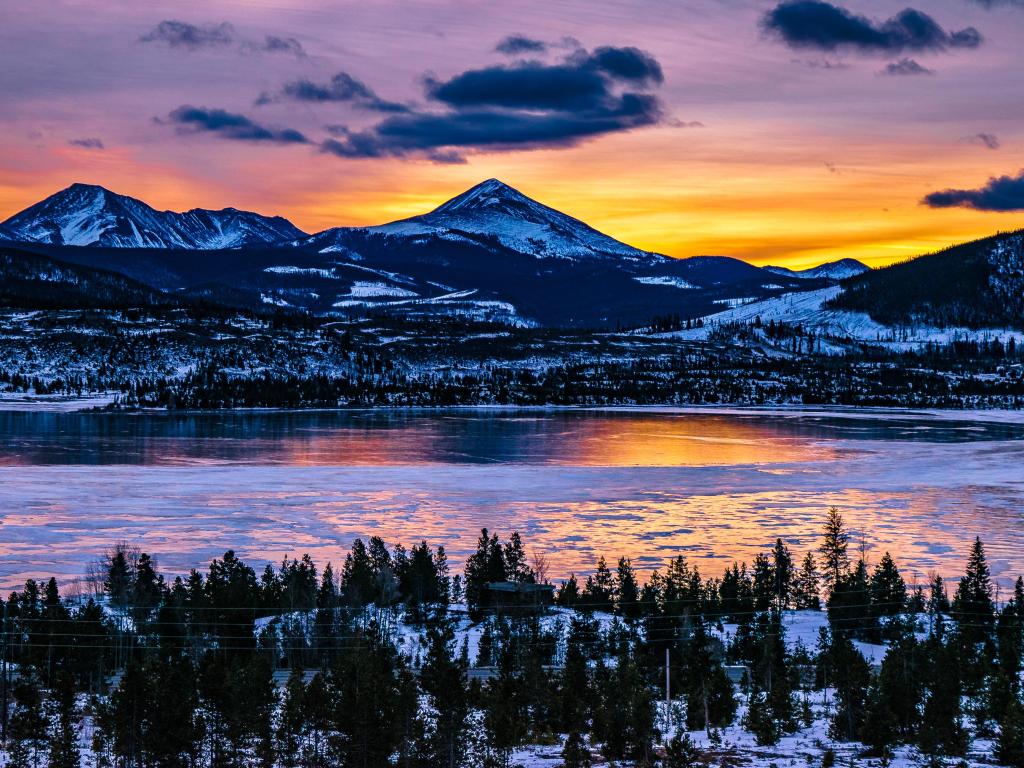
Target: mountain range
489 253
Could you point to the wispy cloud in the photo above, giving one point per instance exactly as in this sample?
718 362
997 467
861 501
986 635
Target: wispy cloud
230 125
194 37
87 143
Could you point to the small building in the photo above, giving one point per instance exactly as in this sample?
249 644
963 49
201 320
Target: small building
517 596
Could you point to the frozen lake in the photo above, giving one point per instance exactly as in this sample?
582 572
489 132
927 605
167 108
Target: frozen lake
715 485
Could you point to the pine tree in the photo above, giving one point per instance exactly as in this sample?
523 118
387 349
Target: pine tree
681 752
783 574
568 593
515 560
627 593
599 588
807 585
63 738
443 678
1010 742
973 604
848 672
26 730
710 702
574 693
833 549
941 731
888 590
291 724
575 753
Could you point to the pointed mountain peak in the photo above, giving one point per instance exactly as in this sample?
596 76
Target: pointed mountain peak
485 195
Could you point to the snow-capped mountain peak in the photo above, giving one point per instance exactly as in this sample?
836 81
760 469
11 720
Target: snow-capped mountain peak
832 270
87 214
520 223
491 195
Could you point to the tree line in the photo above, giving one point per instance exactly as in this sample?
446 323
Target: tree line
372 663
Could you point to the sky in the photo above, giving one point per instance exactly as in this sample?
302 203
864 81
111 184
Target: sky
790 132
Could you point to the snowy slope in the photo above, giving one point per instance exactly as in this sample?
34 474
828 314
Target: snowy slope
85 214
495 210
832 270
805 309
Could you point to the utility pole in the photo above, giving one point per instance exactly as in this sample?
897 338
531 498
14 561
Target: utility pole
3 674
668 696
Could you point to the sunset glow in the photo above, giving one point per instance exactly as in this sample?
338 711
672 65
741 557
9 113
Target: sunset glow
763 151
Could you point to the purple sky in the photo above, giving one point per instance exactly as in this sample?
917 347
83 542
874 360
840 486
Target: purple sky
758 144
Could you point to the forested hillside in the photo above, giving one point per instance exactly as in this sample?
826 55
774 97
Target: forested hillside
974 285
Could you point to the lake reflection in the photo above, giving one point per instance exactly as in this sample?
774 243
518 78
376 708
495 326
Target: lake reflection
648 484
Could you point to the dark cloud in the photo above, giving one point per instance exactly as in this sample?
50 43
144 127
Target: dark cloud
526 105
288 45
583 81
818 25
514 45
1005 193
493 129
181 34
987 140
905 67
87 143
624 64
341 88
231 125
990 4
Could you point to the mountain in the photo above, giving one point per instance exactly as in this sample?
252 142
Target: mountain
85 214
974 285
833 270
490 253
495 212
505 247
33 281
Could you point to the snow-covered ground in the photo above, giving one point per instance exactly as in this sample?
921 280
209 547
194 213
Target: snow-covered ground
21 401
805 309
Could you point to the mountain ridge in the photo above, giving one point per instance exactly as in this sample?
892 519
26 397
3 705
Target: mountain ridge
92 215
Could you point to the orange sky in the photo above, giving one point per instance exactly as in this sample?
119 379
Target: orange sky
799 159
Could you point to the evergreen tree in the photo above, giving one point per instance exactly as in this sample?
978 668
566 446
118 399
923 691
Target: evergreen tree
26 729
835 561
941 731
443 678
973 605
291 725
807 585
367 704
681 752
938 600
1010 742
848 672
599 589
575 753
783 575
574 694
63 741
764 582
568 593
888 590
627 593
517 567
710 702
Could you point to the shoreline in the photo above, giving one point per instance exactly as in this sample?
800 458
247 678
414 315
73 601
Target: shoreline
95 405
